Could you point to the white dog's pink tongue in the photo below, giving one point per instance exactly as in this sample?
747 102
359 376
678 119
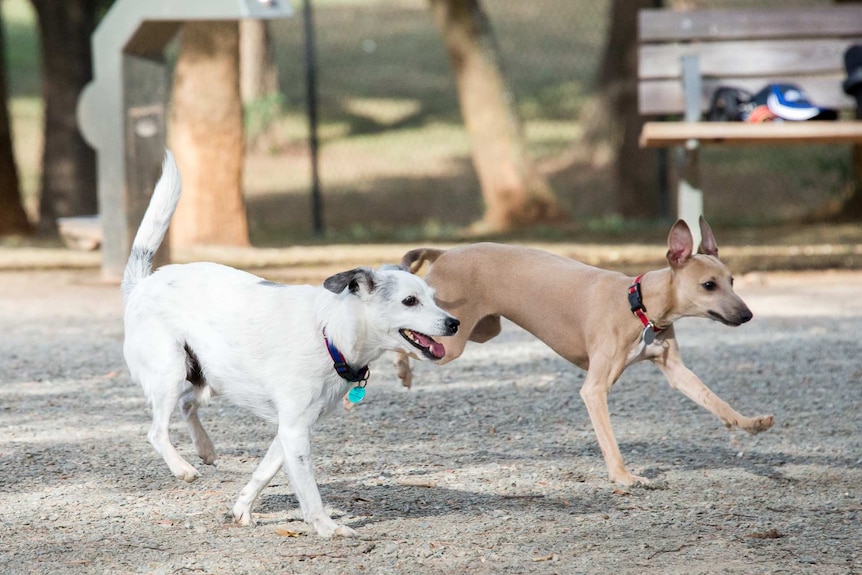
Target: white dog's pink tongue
437 349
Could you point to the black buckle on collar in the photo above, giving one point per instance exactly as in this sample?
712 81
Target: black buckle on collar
350 374
635 300
345 371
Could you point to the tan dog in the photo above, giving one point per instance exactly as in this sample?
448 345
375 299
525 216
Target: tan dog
588 316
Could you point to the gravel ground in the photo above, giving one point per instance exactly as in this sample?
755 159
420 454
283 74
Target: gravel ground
488 465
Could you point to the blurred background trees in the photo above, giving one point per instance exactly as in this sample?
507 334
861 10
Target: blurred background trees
434 115
514 192
13 219
612 121
68 181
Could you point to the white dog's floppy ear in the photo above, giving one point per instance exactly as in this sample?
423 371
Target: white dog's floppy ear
351 279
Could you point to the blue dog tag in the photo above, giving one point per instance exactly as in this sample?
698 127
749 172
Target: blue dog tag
356 394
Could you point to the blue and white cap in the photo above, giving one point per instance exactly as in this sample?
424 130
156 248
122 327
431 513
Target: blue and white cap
790 102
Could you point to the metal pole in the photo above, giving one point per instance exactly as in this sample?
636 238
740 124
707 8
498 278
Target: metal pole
311 95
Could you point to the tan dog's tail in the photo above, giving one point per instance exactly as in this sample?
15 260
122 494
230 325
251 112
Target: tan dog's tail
413 260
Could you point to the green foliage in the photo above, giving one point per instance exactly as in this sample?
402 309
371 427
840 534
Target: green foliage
262 113
23 59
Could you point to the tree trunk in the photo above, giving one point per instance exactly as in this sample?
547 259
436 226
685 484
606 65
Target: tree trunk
258 82
515 193
68 163
13 219
258 73
206 137
613 121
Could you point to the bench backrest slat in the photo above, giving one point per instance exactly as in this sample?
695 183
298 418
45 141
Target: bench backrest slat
758 58
748 49
662 25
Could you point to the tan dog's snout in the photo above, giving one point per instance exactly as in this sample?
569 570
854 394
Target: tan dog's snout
740 316
732 316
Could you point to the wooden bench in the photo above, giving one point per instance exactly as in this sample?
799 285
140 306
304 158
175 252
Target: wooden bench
685 55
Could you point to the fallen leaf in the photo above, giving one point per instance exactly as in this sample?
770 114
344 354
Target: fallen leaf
287 533
416 482
543 558
768 534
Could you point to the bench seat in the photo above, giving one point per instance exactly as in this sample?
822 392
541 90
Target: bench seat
663 134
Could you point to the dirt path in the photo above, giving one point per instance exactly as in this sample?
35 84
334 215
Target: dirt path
489 465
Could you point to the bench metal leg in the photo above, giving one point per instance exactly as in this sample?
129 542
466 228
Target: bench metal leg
689 194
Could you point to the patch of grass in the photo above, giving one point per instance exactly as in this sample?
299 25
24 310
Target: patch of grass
23 59
260 115
768 185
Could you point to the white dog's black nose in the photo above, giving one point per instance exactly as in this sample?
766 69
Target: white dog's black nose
452 324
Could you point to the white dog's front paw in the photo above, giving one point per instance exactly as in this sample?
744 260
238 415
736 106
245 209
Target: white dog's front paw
326 527
185 472
345 531
242 515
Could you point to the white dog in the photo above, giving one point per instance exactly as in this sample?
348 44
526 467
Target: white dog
287 353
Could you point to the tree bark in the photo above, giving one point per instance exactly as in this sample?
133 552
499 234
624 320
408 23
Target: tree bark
258 72
613 121
258 82
206 136
68 185
13 219
514 191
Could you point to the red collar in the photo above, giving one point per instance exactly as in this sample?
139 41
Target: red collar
637 304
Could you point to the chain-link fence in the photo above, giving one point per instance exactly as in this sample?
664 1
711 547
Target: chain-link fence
395 157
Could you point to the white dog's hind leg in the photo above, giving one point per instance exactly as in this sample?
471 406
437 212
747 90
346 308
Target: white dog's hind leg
164 404
263 474
203 444
297 462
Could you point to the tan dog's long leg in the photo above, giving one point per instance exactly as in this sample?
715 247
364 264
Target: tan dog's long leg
402 367
595 392
684 380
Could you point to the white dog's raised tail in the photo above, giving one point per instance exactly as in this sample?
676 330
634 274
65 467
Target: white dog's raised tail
151 233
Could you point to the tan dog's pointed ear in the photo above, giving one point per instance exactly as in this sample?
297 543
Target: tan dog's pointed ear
680 244
707 240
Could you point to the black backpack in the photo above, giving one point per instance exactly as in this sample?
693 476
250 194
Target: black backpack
729 105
